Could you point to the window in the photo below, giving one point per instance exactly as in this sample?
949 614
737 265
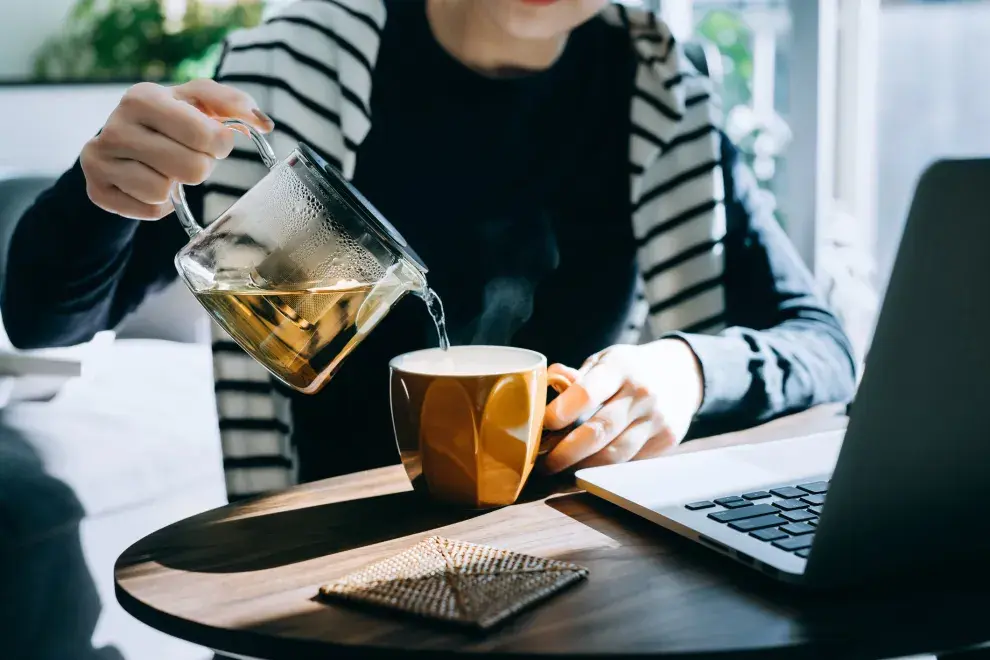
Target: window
935 103
798 80
751 38
747 43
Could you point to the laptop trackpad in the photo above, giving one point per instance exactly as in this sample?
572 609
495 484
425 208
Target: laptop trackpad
680 478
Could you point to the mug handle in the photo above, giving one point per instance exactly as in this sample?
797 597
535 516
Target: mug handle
549 439
177 193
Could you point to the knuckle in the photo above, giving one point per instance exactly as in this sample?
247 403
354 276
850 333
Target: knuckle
97 194
616 452
145 88
157 190
202 137
641 392
226 91
613 451
207 89
225 143
665 439
195 85
153 212
139 96
618 352
594 359
162 189
205 84
197 170
601 427
87 158
112 135
93 166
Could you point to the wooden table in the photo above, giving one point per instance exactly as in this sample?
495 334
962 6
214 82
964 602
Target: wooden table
242 579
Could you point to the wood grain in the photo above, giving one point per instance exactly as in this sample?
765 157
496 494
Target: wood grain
243 579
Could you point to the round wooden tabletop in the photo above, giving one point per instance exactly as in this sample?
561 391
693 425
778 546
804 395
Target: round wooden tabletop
243 579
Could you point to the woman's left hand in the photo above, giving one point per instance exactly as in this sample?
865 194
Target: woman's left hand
645 397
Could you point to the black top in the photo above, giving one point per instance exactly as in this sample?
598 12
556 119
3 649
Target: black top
515 192
479 174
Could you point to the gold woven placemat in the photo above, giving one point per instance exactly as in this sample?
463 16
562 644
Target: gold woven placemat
454 581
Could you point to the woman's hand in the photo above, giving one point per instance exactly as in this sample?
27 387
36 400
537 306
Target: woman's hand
645 398
158 135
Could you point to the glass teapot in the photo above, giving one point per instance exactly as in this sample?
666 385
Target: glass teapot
299 269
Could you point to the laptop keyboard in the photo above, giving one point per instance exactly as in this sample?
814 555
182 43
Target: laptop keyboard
785 517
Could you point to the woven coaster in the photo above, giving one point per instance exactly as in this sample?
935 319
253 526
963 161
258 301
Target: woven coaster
464 583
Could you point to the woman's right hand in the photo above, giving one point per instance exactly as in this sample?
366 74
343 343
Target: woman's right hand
158 135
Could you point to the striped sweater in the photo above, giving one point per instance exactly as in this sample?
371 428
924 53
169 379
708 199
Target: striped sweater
320 94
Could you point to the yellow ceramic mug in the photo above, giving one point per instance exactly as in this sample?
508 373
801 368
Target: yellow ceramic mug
468 421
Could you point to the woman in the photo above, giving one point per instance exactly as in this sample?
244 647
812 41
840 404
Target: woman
556 163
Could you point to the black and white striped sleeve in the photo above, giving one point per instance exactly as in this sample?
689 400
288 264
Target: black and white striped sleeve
783 350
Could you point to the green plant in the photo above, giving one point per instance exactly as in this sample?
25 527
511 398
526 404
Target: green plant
133 40
762 140
729 32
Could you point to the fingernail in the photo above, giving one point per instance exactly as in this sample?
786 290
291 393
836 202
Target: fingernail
269 124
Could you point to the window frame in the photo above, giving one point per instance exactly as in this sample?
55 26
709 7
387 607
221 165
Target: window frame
831 160
831 172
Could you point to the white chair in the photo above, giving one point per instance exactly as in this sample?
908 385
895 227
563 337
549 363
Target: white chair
127 448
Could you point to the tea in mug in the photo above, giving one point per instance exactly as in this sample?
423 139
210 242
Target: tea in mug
468 420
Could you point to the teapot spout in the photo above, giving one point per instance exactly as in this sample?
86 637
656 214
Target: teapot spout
415 278
400 278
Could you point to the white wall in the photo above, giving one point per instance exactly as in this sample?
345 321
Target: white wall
44 127
24 27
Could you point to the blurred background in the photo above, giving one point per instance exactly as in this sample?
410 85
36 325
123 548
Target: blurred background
838 104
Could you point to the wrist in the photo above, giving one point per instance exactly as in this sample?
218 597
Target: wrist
676 356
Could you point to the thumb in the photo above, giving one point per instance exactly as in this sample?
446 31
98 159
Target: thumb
563 370
223 102
570 376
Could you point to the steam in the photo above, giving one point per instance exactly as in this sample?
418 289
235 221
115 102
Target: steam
519 253
508 304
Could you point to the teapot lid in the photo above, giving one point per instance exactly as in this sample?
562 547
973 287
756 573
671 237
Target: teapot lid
361 206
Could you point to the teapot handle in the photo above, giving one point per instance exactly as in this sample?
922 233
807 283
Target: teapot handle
178 194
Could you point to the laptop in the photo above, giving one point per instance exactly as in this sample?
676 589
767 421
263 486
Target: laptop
907 484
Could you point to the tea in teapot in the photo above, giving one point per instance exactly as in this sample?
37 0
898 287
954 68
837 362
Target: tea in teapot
300 269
